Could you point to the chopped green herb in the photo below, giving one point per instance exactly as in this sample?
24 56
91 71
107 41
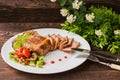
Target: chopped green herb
20 40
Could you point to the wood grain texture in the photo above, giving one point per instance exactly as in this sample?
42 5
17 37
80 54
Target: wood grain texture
70 75
8 30
41 10
28 4
87 71
20 15
31 15
44 4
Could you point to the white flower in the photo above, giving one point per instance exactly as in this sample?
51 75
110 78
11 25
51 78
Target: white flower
117 32
76 4
71 18
90 17
64 12
98 33
53 0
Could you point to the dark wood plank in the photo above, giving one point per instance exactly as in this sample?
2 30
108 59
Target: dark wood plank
27 4
30 15
74 75
19 27
8 30
47 3
9 12
114 4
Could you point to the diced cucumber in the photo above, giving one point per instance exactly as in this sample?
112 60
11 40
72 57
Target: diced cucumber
41 58
32 63
13 58
39 64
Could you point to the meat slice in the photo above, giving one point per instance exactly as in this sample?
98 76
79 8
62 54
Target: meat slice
64 40
52 41
57 40
74 44
69 43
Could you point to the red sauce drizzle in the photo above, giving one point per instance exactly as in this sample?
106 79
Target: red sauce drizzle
65 57
59 59
52 62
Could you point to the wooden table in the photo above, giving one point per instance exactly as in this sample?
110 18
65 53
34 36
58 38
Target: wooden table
21 15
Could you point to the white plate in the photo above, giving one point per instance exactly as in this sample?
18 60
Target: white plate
59 66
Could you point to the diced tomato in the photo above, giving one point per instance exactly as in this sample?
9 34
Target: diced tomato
22 51
18 52
26 52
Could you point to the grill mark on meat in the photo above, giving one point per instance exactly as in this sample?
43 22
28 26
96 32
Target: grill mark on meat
35 39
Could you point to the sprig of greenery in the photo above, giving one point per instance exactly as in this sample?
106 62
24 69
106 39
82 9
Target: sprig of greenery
20 40
99 25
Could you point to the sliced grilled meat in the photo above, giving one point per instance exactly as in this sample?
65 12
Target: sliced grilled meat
74 44
43 44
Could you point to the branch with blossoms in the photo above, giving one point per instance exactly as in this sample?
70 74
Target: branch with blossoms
99 25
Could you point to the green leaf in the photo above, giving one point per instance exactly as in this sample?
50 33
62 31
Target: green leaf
26 35
62 2
16 45
40 61
41 58
19 37
105 20
70 1
20 40
39 64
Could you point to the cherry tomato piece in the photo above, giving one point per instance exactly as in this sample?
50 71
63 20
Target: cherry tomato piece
22 51
26 52
18 52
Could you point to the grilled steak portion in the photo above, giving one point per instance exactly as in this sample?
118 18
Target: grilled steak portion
36 43
43 44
